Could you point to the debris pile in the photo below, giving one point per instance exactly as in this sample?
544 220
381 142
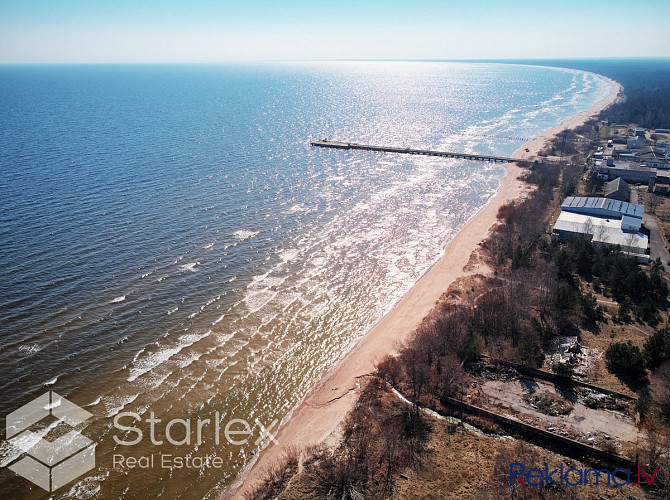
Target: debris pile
568 350
549 404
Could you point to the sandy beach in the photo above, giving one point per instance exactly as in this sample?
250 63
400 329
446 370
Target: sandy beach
318 416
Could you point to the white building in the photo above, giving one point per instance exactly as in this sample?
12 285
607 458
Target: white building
603 221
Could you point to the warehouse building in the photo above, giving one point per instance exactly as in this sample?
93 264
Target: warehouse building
632 173
605 222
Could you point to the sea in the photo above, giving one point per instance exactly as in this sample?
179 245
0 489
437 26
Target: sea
173 250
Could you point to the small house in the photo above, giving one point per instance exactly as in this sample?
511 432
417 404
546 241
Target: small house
617 190
661 184
636 142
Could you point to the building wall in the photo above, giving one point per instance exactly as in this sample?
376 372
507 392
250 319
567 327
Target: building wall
638 251
628 175
663 164
617 195
635 142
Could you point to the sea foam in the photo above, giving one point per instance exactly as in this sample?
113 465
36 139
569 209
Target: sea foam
243 234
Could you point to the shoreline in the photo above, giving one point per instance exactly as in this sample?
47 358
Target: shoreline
318 415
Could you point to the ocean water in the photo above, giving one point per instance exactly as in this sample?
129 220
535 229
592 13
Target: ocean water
171 243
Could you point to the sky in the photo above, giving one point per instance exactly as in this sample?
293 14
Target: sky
105 31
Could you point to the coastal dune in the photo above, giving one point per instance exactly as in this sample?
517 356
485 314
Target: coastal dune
318 416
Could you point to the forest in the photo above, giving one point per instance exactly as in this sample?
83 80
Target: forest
646 83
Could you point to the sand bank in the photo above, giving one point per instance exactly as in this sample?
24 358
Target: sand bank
324 407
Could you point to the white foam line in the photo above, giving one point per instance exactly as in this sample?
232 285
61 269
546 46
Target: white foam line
124 401
95 402
153 360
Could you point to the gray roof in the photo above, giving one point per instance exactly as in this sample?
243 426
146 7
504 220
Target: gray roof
617 184
627 221
627 165
605 206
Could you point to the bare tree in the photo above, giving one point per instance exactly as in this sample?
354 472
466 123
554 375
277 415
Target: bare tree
451 375
661 391
656 449
631 241
602 235
655 201
589 227
417 370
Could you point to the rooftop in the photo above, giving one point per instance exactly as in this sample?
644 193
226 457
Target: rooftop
627 165
608 231
589 204
617 184
650 152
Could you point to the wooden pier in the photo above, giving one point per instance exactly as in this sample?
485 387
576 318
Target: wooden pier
410 151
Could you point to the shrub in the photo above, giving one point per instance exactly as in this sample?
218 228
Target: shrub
389 369
623 314
593 313
565 372
529 351
468 351
657 348
626 360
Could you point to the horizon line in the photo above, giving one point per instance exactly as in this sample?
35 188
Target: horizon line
227 61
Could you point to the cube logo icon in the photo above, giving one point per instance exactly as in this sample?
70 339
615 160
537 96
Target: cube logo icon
50 464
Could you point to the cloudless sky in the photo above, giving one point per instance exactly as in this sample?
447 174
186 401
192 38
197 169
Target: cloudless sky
209 30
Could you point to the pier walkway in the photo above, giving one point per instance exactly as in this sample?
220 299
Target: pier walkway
410 151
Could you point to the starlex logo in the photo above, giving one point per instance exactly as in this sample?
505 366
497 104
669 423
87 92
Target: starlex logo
50 464
575 477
